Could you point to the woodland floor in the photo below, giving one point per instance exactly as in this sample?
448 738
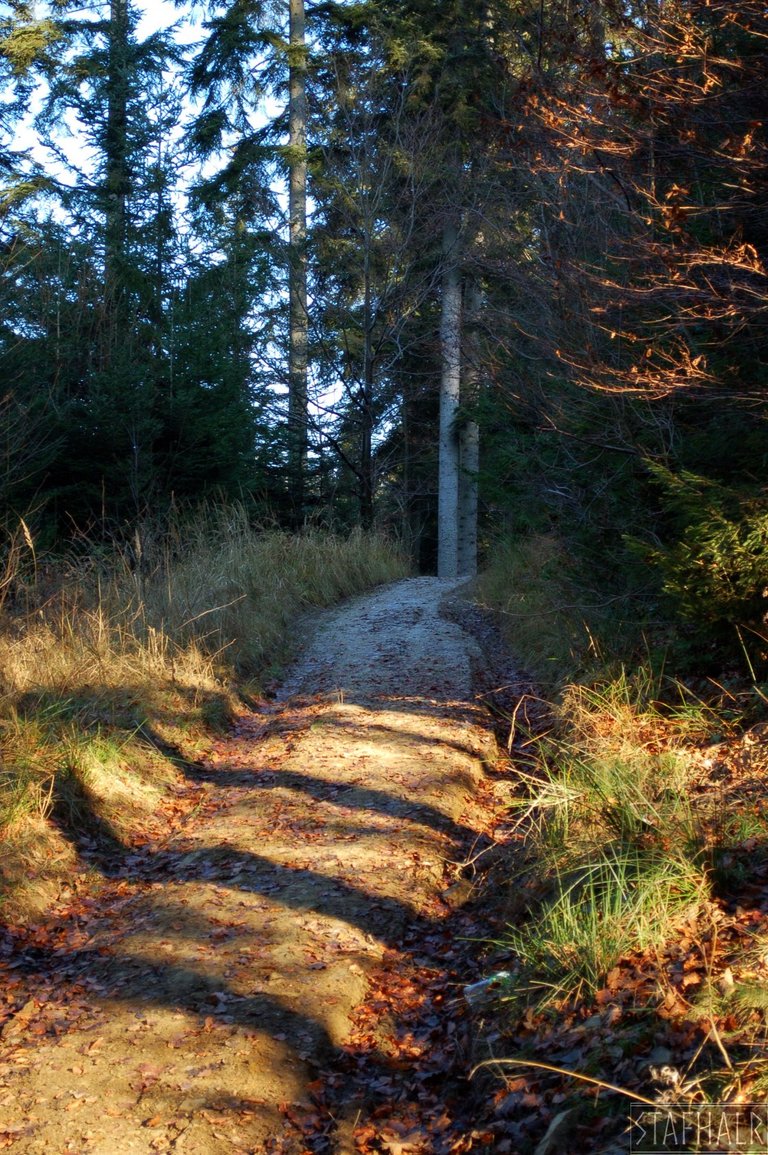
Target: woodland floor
280 967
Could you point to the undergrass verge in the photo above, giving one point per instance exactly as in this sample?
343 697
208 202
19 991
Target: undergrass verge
560 630
636 947
619 843
118 667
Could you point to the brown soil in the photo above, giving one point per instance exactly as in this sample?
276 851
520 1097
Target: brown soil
283 973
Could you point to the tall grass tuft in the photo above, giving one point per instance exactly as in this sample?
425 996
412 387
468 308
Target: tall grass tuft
533 583
232 591
618 846
569 615
621 900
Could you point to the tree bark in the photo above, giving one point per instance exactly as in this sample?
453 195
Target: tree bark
469 441
116 176
298 340
366 398
450 388
468 499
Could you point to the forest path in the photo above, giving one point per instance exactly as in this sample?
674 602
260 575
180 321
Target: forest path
283 973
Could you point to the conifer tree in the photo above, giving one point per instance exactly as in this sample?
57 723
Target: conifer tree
298 321
116 298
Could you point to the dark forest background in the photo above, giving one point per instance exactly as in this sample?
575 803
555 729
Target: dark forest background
605 164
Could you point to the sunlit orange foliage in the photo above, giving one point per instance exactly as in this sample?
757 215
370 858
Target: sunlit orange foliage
656 251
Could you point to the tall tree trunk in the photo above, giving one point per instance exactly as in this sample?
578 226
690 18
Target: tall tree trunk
469 440
297 274
117 176
450 387
366 399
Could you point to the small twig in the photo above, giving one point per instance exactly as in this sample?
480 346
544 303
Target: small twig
513 724
471 861
716 1036
747 658
46 806
536 738
563 1071
212 610
471 858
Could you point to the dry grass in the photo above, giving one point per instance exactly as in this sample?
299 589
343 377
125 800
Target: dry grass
108 662
609 805
639 908
560 628
527 582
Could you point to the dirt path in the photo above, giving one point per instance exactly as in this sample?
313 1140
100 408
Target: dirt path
284 973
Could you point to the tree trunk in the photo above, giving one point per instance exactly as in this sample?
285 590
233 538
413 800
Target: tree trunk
470 464
450 386
366 399
117 177
469 442
297 274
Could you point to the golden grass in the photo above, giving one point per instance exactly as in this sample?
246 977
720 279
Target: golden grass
110 663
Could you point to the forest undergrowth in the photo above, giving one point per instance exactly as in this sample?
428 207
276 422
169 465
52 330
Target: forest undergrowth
117 665
634 965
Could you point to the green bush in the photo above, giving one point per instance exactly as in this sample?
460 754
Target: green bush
715 566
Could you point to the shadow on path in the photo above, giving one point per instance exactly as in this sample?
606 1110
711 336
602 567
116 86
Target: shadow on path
349 795
125 979
294 887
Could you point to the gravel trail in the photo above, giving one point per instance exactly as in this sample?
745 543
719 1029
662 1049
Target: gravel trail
393 642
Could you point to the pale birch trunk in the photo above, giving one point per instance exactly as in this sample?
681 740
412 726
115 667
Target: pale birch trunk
450 389
468 499
469 442
297 239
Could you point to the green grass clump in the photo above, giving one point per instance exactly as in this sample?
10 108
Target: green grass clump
622 901
619 848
